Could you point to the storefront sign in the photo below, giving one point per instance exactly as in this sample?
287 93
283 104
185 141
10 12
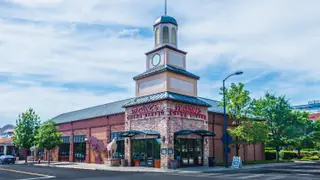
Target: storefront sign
145 111
153 110
170 151
187 111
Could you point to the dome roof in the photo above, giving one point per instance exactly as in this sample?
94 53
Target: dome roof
166 19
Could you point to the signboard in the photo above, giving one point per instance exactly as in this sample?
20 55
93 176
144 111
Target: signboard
187 111
314 102
153 110
236 162
229 138
170 151
163 151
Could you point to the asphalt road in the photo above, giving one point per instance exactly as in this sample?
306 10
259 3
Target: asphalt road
28 172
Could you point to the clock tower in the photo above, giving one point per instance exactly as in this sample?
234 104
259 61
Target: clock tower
166 64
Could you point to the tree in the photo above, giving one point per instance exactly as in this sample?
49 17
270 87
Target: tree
251 132
302 133
26 128
277 113
48 137
238 106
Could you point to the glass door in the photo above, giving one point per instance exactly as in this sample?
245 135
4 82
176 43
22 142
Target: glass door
149 152
142 155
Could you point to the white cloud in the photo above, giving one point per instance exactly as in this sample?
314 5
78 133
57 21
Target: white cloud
101 42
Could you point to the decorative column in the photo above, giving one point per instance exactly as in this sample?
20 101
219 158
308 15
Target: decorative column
127 147
88 134
206 145
71 147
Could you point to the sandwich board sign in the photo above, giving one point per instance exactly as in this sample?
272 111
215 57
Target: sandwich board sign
236 162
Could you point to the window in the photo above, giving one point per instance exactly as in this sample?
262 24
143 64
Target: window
79 148
157 36
173 36
64 149
120 144
166 35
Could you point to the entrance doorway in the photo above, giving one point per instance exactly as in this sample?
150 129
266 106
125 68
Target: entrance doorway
189 152
145 151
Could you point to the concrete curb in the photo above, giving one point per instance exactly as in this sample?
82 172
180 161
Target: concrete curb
182 171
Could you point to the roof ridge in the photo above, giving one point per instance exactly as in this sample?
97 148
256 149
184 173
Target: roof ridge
209 99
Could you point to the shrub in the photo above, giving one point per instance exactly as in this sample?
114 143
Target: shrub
288 155
270 154
314 158
305 159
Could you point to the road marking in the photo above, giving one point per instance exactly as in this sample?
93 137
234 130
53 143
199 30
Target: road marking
36 178
42 176
276 177
252 176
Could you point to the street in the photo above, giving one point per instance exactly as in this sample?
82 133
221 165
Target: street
299 171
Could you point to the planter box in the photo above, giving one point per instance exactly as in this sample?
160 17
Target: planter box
157 164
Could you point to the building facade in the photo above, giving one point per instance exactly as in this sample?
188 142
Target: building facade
165 121
313 108
6 145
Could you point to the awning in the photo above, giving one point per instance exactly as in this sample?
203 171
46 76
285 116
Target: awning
199 132
132 133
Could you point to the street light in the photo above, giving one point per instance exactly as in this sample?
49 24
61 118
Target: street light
225 124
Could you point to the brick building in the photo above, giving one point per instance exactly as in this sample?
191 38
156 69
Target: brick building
313 107
166 120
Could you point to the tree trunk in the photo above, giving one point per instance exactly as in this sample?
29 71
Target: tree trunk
26 156
49 154
254 152
299 153
278 155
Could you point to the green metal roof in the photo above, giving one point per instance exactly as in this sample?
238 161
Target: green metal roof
166 95
166 19
92 112
163 68
117 108
200 132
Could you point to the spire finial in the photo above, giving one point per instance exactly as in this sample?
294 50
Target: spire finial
165 7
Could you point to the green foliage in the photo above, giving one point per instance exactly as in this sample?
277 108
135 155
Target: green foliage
314 158
288 155
251 132
26 128
270 154
48 136
277 113
237 102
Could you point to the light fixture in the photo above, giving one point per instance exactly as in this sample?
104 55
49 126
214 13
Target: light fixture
163 139
126 141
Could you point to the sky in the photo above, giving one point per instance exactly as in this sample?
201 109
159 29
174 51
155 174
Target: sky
58 56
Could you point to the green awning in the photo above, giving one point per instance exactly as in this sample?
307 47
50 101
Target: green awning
199 132
132 133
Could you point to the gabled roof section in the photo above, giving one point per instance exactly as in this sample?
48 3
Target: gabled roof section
163 68
167 95
92 112
214 105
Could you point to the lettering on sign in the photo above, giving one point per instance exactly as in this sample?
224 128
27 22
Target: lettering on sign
154 110
145 111
187 111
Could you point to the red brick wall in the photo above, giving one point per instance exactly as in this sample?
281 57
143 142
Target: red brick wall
99 127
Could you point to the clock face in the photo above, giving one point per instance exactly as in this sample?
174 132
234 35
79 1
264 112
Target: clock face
156 59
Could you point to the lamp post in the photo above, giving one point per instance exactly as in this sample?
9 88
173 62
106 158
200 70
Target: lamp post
225 124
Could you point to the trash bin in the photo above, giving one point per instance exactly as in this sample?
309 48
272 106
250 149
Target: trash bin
123 162
174 164
211 161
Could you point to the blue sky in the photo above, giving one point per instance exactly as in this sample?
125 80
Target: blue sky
62 55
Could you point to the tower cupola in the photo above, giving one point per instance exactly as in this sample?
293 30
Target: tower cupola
165 31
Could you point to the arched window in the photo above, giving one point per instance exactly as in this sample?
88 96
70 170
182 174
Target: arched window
157 36
165 34
173 36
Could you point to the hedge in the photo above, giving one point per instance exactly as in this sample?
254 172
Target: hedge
270 154
314 158
288 155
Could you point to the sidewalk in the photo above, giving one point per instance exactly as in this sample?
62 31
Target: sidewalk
201 169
